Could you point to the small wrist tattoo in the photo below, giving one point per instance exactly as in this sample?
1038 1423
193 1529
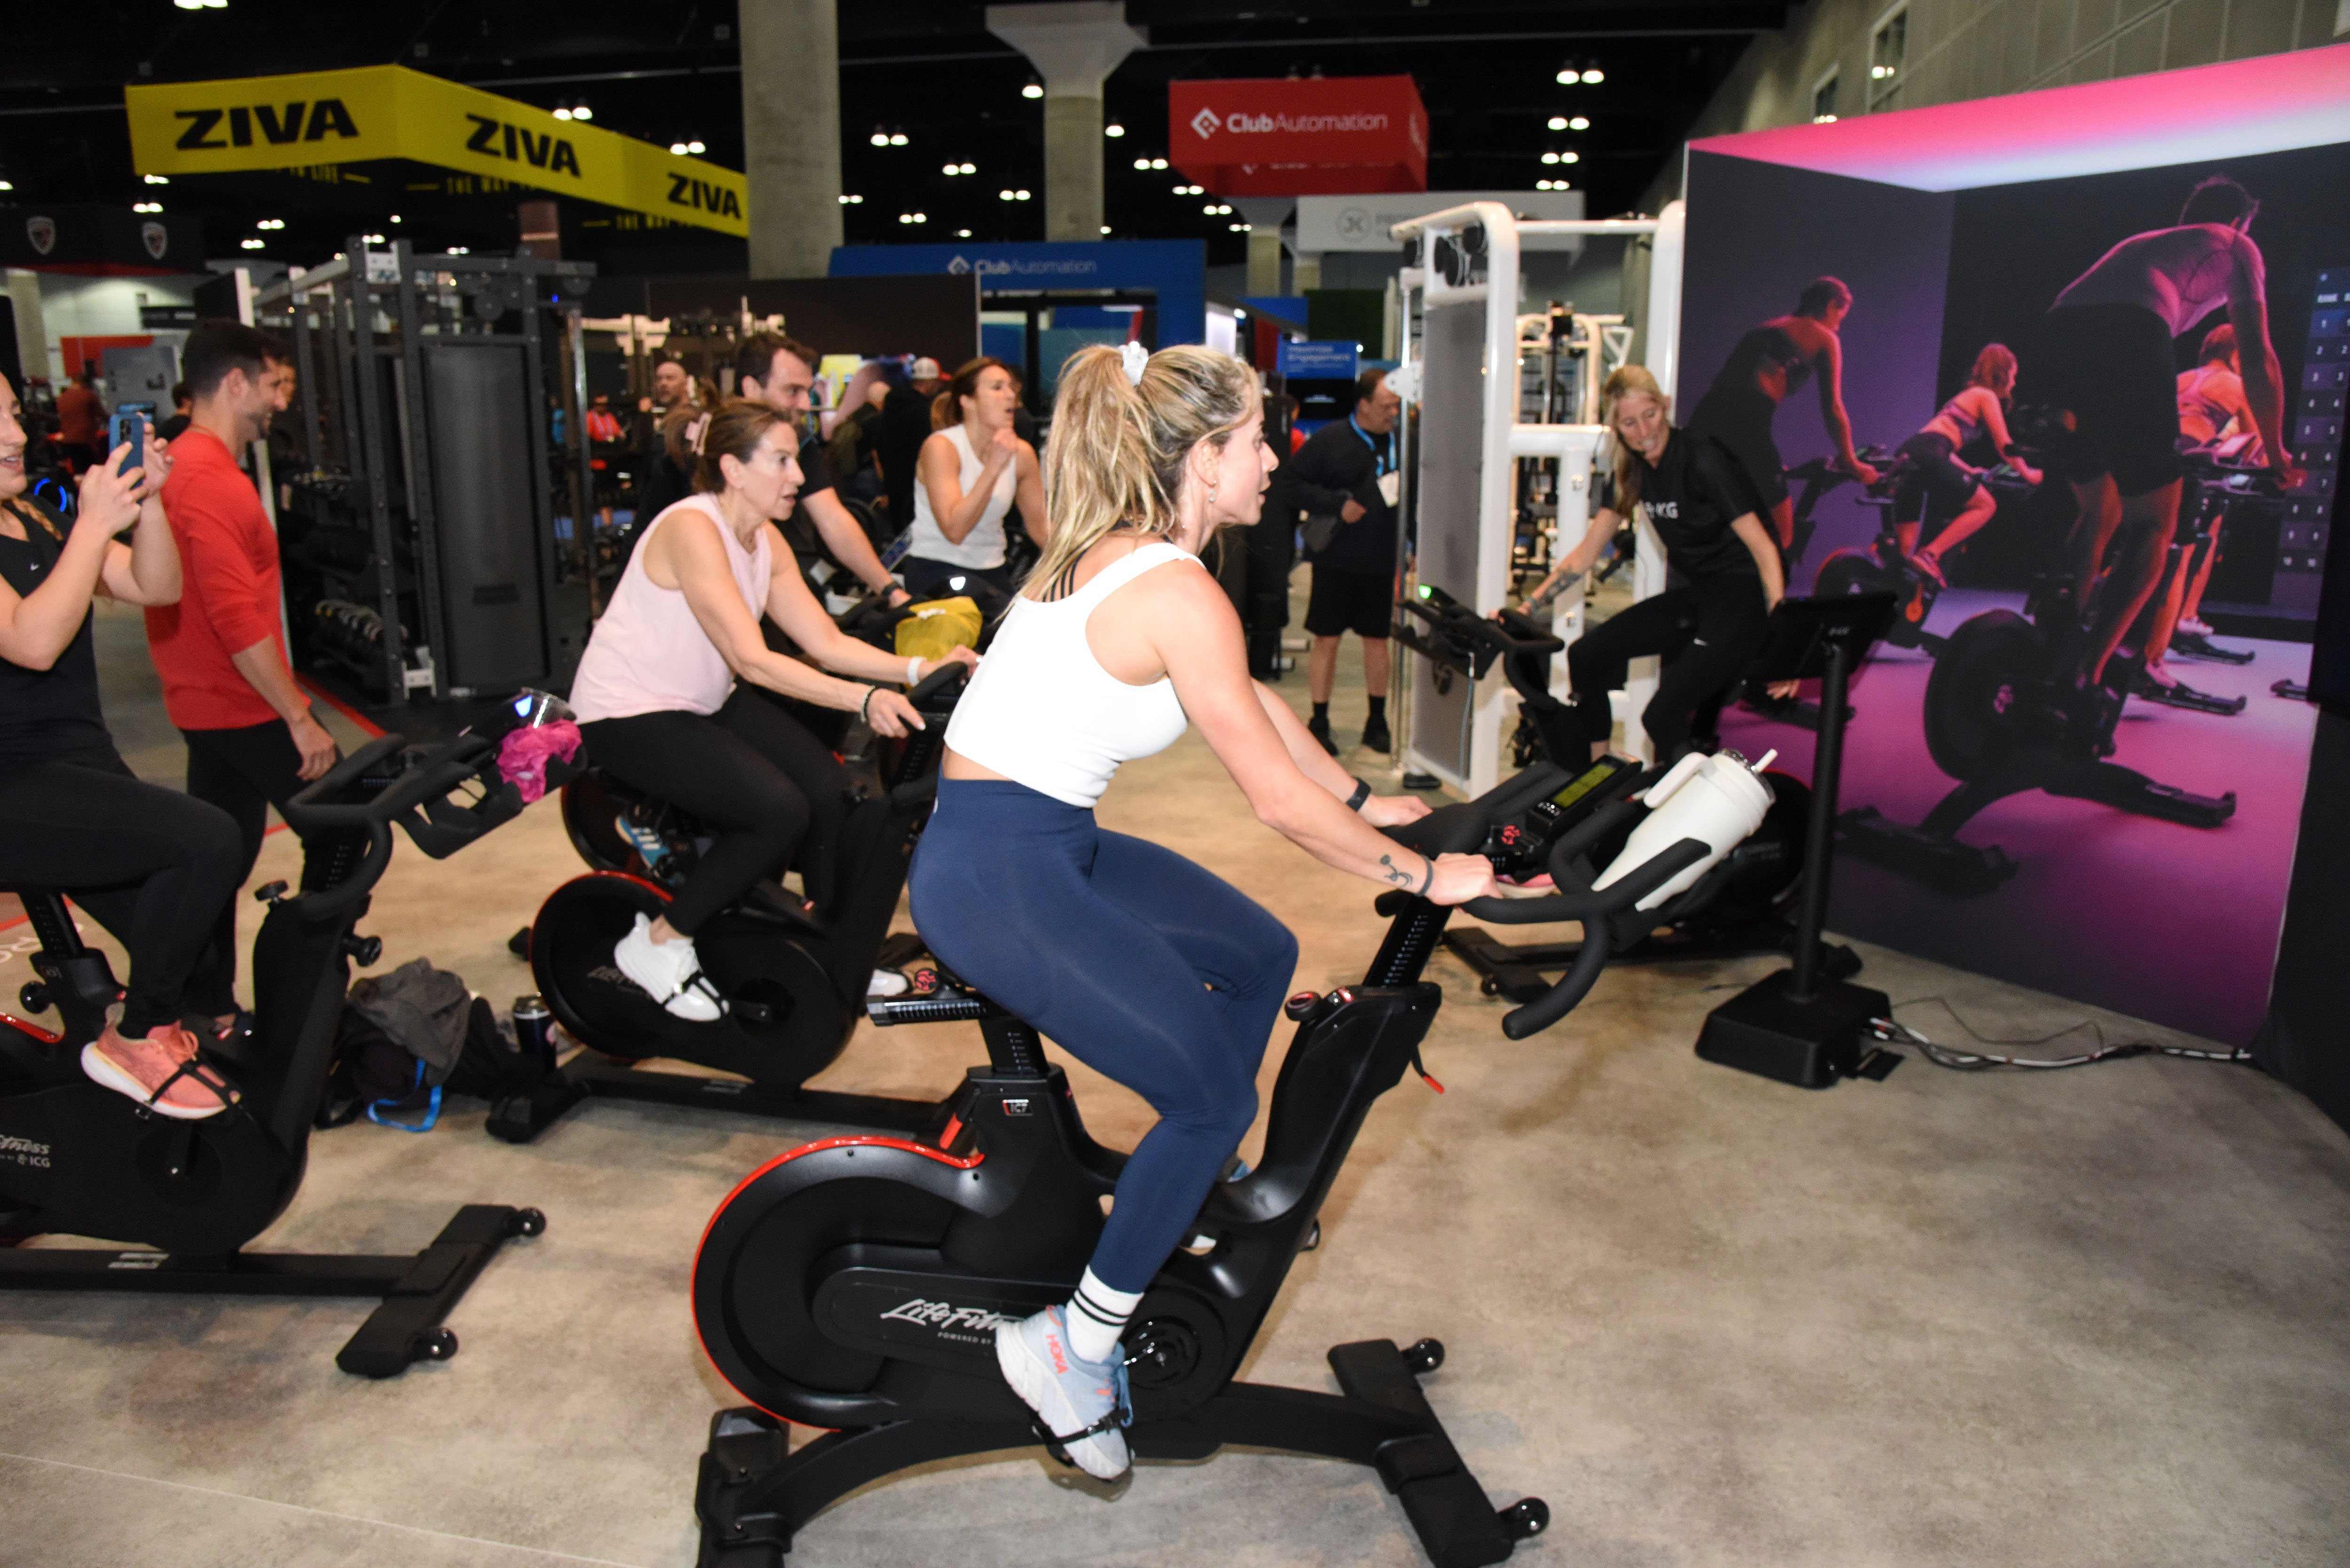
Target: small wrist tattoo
1395 874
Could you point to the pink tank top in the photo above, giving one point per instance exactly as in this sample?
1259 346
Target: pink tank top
648 654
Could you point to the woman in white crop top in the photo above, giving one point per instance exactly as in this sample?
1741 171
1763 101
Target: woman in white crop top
969 477
1137 961
666 700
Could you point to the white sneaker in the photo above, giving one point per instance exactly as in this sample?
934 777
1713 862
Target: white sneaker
1082 1408
670 972
887 982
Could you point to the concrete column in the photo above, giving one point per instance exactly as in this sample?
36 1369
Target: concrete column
1265 214
32 330
1304 272
1074 47
791 134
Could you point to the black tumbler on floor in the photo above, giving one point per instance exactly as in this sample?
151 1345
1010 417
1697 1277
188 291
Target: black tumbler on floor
1799 1026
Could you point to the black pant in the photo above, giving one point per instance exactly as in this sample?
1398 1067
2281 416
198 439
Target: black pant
752 775
243 772
1706 632
153 866
991 589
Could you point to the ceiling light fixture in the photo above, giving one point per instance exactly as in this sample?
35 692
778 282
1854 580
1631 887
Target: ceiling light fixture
1159 163
880 138
1019 195
1593 76
146 206
897 139
962 233
695 147
1105 228
852 201
1579 123
1550 157
1112 129
1570 157
157 179
1033 89
677 148
1558 122
248 244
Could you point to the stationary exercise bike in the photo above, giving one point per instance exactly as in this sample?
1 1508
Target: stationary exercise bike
2002 715
1742 905
794 980
855 1284
79 1160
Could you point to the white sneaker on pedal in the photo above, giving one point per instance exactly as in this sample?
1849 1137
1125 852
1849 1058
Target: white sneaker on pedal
887 983
1082 1408
669 973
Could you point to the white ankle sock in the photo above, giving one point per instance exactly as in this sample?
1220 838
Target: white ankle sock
1096 1316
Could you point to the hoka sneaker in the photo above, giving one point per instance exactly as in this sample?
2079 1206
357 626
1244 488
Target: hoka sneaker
669 973
1082 1408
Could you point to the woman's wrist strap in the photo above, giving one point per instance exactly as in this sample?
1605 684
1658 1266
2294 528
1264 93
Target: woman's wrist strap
1362 792
865 709
914 671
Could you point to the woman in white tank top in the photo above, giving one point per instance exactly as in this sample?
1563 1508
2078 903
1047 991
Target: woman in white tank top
968 479
665 700
1137 961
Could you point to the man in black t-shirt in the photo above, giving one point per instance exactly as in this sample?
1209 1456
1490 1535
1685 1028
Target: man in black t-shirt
1347 470
778 371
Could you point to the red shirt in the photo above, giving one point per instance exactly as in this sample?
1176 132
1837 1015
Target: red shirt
229 594
79 413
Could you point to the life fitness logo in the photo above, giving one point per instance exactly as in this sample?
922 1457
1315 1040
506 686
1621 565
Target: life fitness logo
1207 123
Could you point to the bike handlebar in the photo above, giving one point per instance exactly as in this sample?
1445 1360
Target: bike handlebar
1597 911
420 783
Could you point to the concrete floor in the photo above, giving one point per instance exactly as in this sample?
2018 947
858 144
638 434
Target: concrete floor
2079 1318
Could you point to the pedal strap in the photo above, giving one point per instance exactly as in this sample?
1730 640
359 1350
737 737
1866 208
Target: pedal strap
194 1067
1056 1443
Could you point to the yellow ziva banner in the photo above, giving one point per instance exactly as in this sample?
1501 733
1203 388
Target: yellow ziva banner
390 111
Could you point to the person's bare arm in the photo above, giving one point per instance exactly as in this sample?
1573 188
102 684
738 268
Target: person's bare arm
688 555
263 669
2247 313
1029 496
38 627
939 471
849 544
1832 414
1193 630
1378 810
147 570
1585 554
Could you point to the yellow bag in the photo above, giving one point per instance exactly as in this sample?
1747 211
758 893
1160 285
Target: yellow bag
935 627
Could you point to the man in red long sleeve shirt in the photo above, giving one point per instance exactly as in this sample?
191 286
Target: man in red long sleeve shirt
252 740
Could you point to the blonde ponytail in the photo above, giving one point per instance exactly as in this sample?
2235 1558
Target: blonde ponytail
1115 460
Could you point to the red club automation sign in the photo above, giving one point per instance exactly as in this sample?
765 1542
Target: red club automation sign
1334 135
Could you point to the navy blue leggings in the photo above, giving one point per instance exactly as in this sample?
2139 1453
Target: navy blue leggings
1146 967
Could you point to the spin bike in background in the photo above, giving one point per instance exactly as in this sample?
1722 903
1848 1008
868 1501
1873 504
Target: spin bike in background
1743 904
794 980
2002 715
79 1160
856 1284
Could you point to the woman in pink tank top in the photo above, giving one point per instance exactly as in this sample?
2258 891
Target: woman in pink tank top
666 695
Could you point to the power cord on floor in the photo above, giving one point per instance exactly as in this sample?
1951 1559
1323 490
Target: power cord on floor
1957 1060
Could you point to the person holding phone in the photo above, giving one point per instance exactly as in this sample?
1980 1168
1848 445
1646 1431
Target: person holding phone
150 864
1347 470
252 739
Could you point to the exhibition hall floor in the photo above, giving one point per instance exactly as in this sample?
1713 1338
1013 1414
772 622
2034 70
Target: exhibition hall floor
1980 1320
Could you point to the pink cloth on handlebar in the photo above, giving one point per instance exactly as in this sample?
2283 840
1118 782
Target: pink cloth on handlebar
523 755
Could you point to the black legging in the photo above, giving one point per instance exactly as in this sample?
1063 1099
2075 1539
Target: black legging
1706 632
752 775
243 772
151 865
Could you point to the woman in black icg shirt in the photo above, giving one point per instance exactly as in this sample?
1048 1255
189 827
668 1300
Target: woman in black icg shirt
1706 627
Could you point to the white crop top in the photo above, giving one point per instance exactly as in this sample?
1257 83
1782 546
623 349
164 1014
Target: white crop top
1042 711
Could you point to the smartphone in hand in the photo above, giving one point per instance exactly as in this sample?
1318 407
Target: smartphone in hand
128 424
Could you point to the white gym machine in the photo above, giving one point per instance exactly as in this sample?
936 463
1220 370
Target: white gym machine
1465 367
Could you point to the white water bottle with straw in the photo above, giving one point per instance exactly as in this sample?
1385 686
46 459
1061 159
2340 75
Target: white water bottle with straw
1717 800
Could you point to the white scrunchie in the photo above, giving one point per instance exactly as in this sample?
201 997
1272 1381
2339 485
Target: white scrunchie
1136 357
